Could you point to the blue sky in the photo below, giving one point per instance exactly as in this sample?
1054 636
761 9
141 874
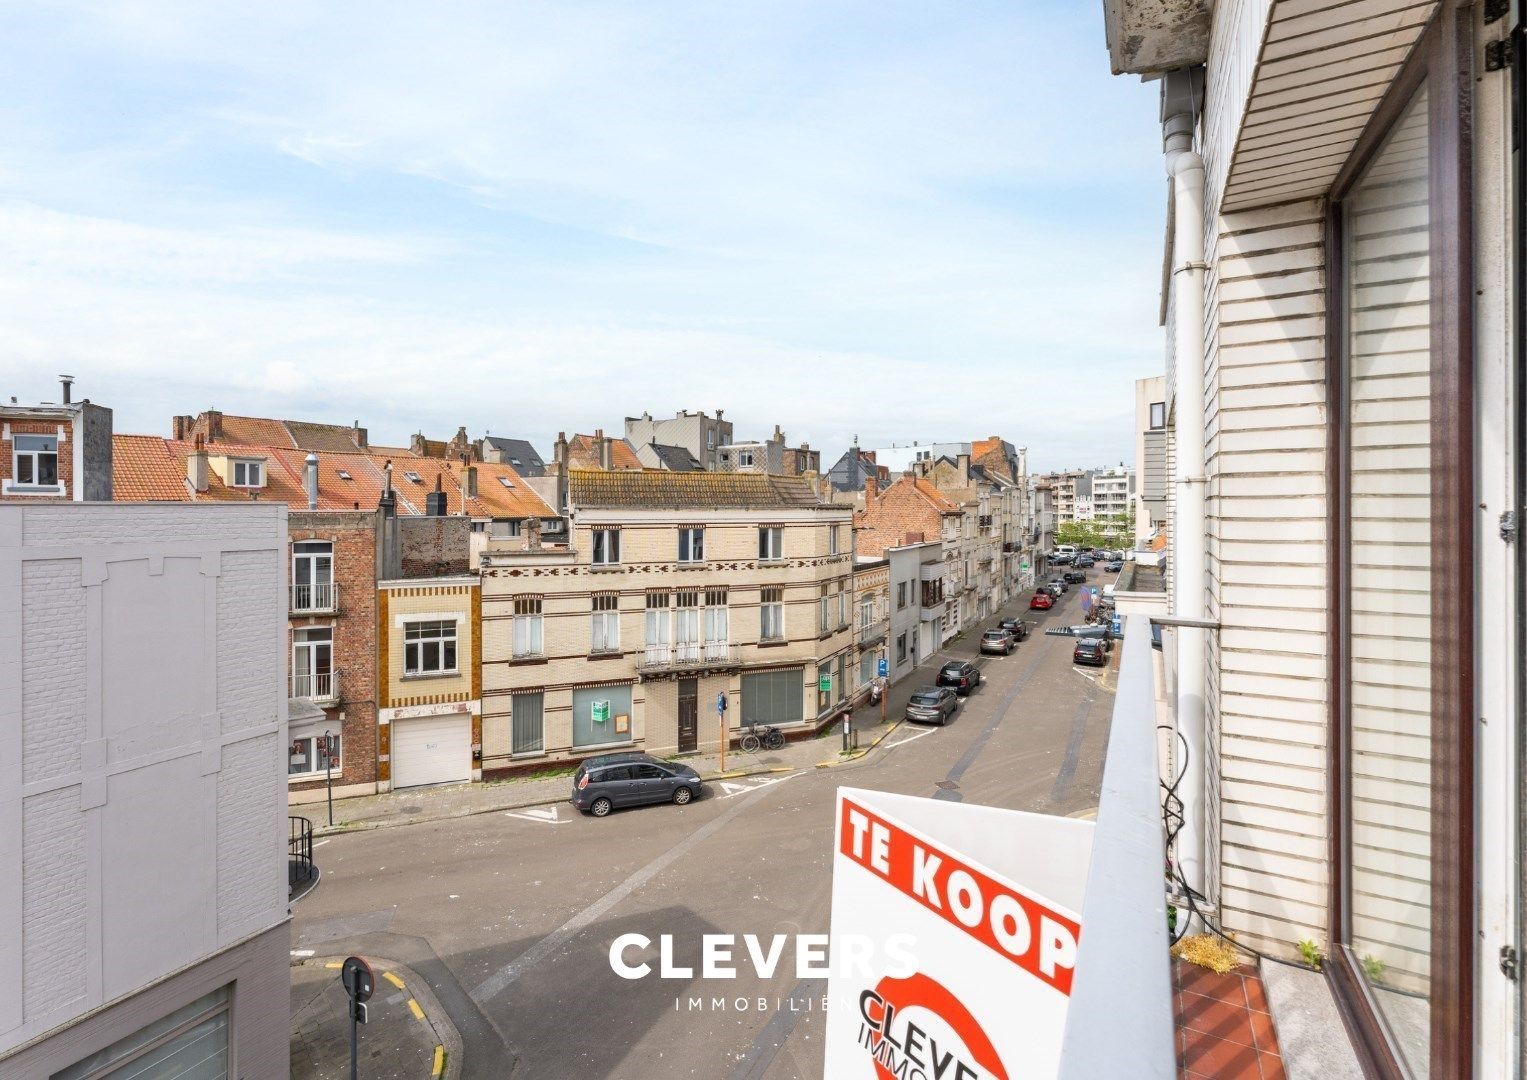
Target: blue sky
896 220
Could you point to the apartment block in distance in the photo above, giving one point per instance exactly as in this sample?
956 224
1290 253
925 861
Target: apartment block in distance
143 866
55 451
676 590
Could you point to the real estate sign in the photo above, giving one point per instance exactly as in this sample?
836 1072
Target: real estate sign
954 938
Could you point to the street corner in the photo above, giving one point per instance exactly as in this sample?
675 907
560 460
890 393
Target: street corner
407 1034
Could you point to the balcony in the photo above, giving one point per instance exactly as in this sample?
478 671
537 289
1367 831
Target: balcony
930 572
320 688
686 657
317 598
1120 1018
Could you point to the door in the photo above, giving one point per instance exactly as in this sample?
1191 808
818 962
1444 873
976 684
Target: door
431 750
650 784
689 715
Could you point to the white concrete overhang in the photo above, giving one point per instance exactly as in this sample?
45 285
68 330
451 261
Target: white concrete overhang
1148 37
1320 73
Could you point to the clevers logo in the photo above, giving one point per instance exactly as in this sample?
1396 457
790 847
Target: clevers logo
915 1029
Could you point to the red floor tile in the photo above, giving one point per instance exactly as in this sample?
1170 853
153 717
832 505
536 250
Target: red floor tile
1223 1029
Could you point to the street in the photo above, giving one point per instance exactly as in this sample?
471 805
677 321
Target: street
510 917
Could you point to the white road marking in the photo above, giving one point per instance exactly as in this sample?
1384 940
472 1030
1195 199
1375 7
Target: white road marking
546 815
733 789
910 738
303 953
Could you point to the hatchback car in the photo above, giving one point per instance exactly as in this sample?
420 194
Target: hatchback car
1057 587
932 705
1017 627
1115 565
1085 561
998 641
1041 601
961 675
1090 651
1075 577
610 781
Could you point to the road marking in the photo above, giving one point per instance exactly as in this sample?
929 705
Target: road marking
390 977
335 965
533 957
413 1007
304 953
753 784
910 738
545 814
439 1061
320 843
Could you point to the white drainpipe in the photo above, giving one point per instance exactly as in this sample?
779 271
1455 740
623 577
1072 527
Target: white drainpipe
1186 169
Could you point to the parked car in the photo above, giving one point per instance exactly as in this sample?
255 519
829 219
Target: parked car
1060 582
1055 590
1041 601
961 675
1059 559
1017 627
610 781
1097 632
1075 577
1085 561
998 641
1114 565
1091 651
932 705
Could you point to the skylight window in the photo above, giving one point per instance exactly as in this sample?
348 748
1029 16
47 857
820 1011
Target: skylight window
344 474
508 483
516 461
414 477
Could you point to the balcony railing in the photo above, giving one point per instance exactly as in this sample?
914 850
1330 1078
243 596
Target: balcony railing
315 598
316 687
1119 1022
686 655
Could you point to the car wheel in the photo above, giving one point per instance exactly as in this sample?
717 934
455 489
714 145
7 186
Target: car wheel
682 794
601 807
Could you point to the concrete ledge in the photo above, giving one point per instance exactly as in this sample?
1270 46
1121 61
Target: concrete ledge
1311 1036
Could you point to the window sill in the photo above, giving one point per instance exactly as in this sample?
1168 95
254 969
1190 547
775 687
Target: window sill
773 643
772 560
520 661
527 755
426 676
38 490
594 748
302 778
604 568
606 654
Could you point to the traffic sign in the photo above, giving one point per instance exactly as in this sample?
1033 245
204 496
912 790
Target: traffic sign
357 978
721 701
882 667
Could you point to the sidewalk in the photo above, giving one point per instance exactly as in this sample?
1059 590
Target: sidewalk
407 1035
417 805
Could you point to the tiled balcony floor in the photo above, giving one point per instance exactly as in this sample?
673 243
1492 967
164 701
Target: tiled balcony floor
1224 1031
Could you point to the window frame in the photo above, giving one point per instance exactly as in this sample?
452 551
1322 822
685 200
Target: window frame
1154 424
34 456
253 473
771 607
445 642
529 611
771 543
1442 58
604 547
604 623
318 768
691 537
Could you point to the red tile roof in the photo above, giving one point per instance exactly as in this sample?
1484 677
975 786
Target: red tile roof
143 470
581 454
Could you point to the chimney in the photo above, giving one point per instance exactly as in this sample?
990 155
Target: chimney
68 384
559 449
871 491
533 534
963 461
312 480
358 433
434 502
214 425
180 428
718 415
914 538
469 480
196 466
602 446
388 503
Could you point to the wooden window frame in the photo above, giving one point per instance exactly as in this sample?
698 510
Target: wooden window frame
1443 59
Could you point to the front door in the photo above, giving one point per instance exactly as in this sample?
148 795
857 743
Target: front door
689 714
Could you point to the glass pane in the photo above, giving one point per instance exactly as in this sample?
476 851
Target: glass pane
527 713
198 1053
1388 381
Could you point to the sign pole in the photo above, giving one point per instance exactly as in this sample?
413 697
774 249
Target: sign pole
328 771
721 718
359 981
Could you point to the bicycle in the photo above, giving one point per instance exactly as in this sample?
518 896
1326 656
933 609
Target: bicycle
771 739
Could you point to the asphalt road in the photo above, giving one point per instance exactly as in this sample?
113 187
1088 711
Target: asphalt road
511 919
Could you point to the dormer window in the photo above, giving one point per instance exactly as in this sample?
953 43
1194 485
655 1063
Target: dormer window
248 474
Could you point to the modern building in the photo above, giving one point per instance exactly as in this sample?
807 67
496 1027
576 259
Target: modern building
143 880
917 604
1343 398
1113 494
55 451
676 590
699 433
1152 457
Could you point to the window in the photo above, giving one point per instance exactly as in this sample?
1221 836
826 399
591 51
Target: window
413 477
842 609
595 713
1158 415
866 668
772 697
771 543
832 539
710 438
824 697
771 615
527 727
313 663
312 575
744 457
312 754
429 648
527 626
1391 640
508 483
691 545
606 547
716 630
36 461
606 633
657 627
247 474
901 648
823 606
866 612
901 595
344 474
686 625
190 1043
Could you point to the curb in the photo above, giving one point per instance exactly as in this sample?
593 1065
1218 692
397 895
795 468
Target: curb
421 1002
856 755
388 823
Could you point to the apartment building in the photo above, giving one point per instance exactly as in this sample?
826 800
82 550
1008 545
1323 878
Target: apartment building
772 455
144 870
676 590
697 432
1343 396
55 451
1152 457
1113 493
854 467
918 605
872 612
913 511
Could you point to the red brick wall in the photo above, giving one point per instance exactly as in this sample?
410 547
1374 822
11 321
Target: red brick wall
355 638
65 455
898 510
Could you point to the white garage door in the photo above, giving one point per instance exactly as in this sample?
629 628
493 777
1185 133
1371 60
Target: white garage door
431 750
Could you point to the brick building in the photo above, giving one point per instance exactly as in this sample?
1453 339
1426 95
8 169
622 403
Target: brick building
55 451
913 511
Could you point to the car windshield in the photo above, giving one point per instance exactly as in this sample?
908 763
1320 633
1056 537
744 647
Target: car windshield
952 669
925 697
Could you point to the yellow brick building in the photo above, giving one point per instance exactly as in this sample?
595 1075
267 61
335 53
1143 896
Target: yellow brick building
675 590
